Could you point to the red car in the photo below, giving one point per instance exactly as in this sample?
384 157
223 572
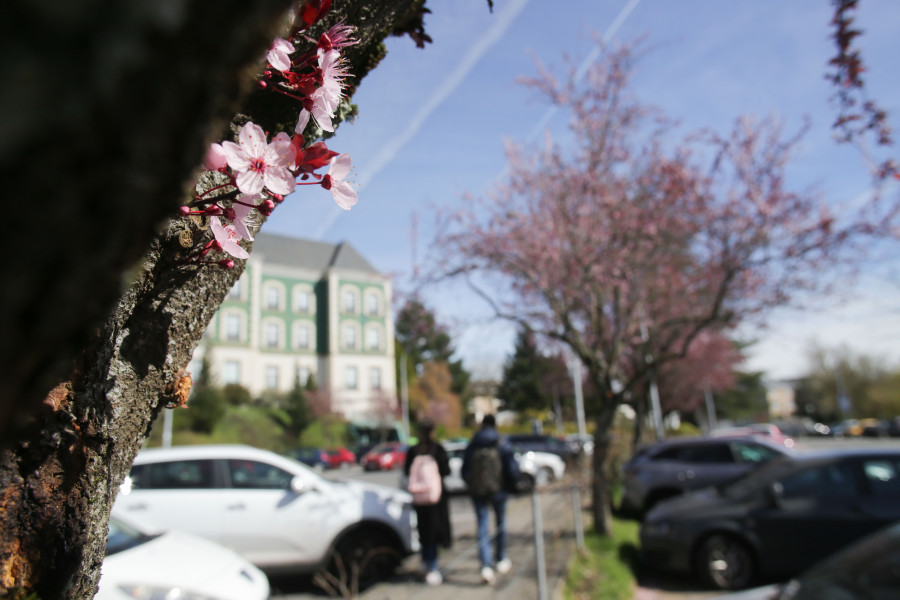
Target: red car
384 457
339 458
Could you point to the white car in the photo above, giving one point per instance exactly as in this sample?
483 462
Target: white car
276 512
143 565
537 468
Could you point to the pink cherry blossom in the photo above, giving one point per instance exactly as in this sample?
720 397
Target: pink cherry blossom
326 98
333 73
258 164
228 238
339 36
342 191
241 214
215 158
278 54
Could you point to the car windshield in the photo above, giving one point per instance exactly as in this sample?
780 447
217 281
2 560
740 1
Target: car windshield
123 536
743 486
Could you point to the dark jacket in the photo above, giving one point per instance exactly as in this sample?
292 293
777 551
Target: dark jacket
487 437
433 521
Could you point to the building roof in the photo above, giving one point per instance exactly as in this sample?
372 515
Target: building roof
309 254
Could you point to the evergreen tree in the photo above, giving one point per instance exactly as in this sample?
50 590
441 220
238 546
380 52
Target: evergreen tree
524 376
422 339
298 410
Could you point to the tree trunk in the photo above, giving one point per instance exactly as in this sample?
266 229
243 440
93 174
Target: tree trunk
601 503
133 92
600 487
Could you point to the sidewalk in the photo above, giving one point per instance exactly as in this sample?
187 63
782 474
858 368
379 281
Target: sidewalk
461 568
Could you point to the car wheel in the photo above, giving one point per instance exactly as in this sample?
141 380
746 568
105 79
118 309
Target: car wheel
366 556
525 484
725 562
548 474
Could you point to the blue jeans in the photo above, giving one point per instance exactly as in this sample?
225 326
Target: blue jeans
430 556
498 502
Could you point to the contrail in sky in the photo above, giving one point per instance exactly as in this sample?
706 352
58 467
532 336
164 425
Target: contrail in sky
587 62
505 17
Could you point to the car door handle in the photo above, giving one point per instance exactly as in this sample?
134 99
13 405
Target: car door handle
238 506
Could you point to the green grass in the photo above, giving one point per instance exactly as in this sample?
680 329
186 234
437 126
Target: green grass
605 570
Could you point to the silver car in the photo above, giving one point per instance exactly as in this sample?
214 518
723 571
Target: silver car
675 466
276 512
536 468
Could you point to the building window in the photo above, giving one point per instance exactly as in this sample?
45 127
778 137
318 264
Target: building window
349 301
303 374
273 298
373 339
233 327
301 301
372 304
271 377
231 372
351 378
273 335
301 338
350 336
235 293
375 378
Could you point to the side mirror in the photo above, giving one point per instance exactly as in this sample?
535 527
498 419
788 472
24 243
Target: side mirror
299 485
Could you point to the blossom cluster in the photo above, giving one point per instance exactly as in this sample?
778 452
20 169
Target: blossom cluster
253 175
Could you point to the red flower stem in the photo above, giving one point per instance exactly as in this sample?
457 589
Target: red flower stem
288 94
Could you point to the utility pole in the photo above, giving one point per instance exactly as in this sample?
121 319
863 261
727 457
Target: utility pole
656 408
404 395
575 367
710 409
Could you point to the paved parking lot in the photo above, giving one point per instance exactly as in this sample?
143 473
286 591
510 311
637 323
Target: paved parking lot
460 565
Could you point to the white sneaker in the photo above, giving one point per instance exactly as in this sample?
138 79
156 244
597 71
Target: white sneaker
434 578
487 575
504 566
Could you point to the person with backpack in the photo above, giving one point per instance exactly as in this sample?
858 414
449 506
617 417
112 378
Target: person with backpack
490 471
425 467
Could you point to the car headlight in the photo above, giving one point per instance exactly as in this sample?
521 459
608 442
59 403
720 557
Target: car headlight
149 592
657 529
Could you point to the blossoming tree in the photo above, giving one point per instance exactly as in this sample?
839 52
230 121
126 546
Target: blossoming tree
626 250
129 239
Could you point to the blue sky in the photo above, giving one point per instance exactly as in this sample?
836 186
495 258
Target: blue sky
432 126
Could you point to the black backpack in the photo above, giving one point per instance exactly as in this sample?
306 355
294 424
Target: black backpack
485 471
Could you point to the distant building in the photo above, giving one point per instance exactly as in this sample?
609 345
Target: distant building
307 308
780 398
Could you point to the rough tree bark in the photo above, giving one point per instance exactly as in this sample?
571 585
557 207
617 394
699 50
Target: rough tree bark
117 100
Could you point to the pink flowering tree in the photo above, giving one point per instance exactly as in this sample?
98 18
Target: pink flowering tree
621 247
145 145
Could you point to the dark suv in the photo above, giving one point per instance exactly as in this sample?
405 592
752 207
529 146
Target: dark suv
672 467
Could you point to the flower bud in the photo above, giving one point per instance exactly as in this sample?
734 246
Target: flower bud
226 263
266 207
184 211
262 84
213 210
326 182
278 198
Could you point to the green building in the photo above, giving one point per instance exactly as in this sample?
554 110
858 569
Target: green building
311 309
